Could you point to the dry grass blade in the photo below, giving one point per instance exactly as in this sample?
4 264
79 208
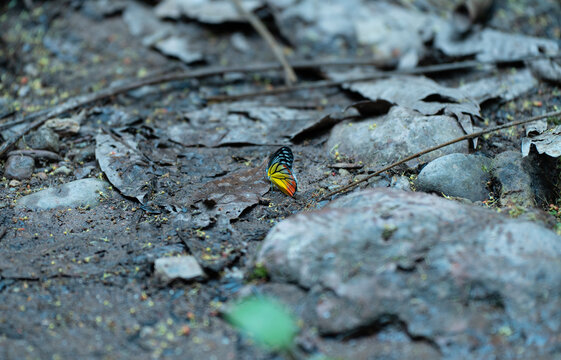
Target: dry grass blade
289 74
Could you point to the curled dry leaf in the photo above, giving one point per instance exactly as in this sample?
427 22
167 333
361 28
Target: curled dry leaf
492 45
241 123
548 143
504 88
124 167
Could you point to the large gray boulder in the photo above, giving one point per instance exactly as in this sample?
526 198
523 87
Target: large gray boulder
469 281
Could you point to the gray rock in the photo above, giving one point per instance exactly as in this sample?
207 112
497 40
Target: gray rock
66 126
85 192
400 183
179 47
43 138
83 171
179 267
381 140
84 154
522 183
63 170
469 281
19 167
457 175
547 69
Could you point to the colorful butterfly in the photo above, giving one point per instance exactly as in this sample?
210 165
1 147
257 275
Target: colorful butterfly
280 171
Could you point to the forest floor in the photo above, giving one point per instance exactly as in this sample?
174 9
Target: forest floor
80 281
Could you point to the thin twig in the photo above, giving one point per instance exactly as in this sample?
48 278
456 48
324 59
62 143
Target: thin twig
289 74
36 154
82 100
373 76
426 151
39 117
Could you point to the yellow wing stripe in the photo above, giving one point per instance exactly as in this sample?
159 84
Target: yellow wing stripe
283 178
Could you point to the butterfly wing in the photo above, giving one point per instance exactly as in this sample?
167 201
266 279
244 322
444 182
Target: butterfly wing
280 171
283 178
283 155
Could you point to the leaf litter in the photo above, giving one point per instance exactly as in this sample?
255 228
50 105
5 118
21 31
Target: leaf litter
241 123
188 170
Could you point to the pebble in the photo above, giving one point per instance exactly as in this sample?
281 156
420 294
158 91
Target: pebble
14 183
180 267
42 139
62 170
83 171
457 175
523 181
64 127
84 154
84 192
19 167
401 183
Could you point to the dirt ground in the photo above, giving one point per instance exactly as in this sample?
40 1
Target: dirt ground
79 282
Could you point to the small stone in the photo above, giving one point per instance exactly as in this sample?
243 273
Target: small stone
239 42
41 175
85 192
401 183
64 127
31 70
42 139
86 154
179 47
523 180
62 170
457 175
23 91
344 172
14 183
83 171
19 167
181 267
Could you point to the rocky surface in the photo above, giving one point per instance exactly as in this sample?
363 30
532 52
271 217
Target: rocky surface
19 167
179 267
446 274
458 175
522 180
405 275
84 193
43 138
384 139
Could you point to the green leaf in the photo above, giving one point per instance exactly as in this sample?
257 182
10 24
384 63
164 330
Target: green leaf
265 320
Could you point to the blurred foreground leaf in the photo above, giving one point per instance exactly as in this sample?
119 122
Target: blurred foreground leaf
265 320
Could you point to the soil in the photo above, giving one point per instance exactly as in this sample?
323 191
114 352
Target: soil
79 283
